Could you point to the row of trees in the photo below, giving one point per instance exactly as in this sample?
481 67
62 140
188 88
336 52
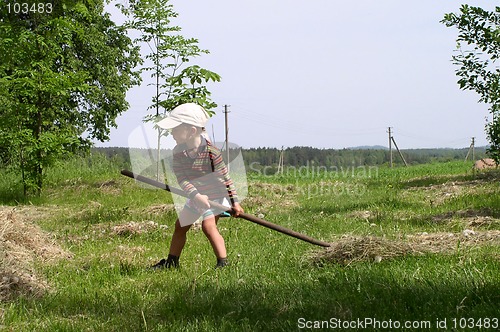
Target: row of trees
332 158
257 158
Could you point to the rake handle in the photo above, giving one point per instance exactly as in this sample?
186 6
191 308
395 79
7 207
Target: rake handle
221 207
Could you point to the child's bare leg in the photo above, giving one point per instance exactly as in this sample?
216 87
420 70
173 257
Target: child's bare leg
179 237
209 227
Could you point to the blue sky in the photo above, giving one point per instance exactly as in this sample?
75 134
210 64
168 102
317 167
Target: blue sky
327 73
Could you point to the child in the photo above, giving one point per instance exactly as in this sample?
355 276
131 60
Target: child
202 174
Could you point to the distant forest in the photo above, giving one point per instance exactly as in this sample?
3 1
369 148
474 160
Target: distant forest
256 158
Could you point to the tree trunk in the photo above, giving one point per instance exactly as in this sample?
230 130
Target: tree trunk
38 170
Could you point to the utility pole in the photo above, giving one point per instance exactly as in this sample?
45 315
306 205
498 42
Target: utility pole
390 147
471 148
400 154
391 140
227 135
281 162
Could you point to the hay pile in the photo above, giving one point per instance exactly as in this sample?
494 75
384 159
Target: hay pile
21 244
352 249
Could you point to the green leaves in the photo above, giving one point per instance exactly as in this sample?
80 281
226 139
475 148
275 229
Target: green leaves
169 52
62 75
478 48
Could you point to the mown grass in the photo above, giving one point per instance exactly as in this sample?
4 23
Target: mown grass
271 282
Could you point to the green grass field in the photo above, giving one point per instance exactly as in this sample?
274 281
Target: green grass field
114 229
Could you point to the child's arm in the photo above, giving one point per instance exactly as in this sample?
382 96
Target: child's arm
220 167
237 209
201 201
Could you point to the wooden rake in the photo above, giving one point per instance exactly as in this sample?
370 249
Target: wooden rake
221 207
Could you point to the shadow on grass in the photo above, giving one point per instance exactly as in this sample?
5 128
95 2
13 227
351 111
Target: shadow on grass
14 195
219 302
346 206
483 176
480 217
263 308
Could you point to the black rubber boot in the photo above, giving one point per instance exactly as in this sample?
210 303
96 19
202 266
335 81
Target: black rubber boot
171 261
221 262
159 265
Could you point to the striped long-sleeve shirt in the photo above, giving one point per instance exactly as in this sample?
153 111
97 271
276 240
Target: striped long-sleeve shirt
206 173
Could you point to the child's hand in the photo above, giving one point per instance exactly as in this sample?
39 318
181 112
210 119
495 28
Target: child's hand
201 201
237 210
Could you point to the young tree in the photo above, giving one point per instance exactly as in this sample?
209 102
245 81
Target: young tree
64 70
169 52
478 44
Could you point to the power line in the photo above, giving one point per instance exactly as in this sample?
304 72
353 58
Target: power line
284 124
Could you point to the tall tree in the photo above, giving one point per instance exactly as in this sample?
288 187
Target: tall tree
65 67
478 46
167 56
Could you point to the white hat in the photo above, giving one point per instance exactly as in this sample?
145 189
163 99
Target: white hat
189 113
